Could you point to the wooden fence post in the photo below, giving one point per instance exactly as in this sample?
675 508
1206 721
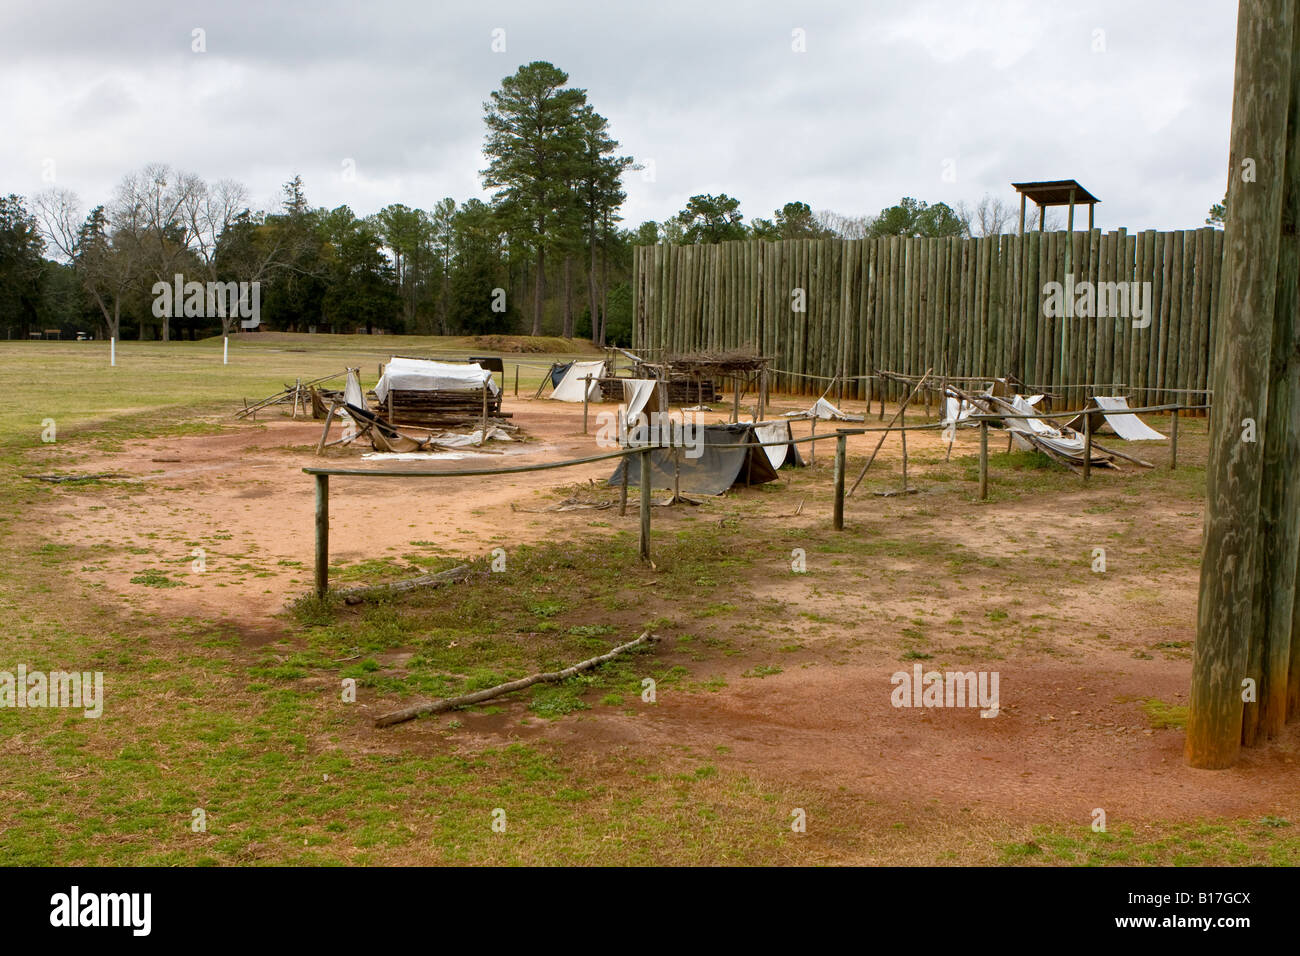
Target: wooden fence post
1173 442
586 390
1087 443
841 452
644 542
984 460
322 535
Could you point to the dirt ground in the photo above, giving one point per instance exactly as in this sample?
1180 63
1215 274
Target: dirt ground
1071 735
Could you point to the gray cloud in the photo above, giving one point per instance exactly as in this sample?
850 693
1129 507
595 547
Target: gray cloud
885 94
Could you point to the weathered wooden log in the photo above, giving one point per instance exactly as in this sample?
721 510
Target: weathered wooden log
465 700
1230 558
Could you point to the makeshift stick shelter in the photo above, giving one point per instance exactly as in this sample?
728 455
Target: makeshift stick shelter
714 469
696 377
1059 442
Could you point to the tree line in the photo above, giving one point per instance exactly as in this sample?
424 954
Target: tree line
546 255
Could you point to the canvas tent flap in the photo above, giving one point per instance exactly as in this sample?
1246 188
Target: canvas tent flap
423 375
713 472
571 386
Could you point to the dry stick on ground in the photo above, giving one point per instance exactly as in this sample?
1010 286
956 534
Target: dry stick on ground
901 409
1119 454
451 703
458 573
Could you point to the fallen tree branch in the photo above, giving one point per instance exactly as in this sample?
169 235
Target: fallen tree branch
451 703
354 595
60 479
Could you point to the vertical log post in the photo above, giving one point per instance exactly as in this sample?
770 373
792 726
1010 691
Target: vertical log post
984 460
644 540
841 453
1087 444
1173 441
903 430
1274 638
622 491
586 391
322 535
1230 559
482 435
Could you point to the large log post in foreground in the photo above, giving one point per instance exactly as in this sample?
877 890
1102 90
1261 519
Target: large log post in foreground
1271 636
1230 556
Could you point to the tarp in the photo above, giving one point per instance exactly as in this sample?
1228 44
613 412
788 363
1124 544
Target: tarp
570 387
714 471
1110 409
423 375
825 411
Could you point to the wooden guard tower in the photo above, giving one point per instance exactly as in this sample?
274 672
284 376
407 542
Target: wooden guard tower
1057 192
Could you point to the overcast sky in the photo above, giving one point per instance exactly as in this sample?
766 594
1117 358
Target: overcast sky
944 100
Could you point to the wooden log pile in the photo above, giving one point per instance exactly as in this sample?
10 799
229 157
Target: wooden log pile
438 408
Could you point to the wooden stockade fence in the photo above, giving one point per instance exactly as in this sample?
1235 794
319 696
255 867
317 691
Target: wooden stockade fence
973 307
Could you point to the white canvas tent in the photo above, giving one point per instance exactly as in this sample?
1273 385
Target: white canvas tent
569 388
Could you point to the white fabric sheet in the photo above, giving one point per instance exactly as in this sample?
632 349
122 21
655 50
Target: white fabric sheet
775 431
636 395
1127 427
827 412
352 393
425 376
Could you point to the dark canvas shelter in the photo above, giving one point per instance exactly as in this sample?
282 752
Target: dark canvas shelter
716 469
